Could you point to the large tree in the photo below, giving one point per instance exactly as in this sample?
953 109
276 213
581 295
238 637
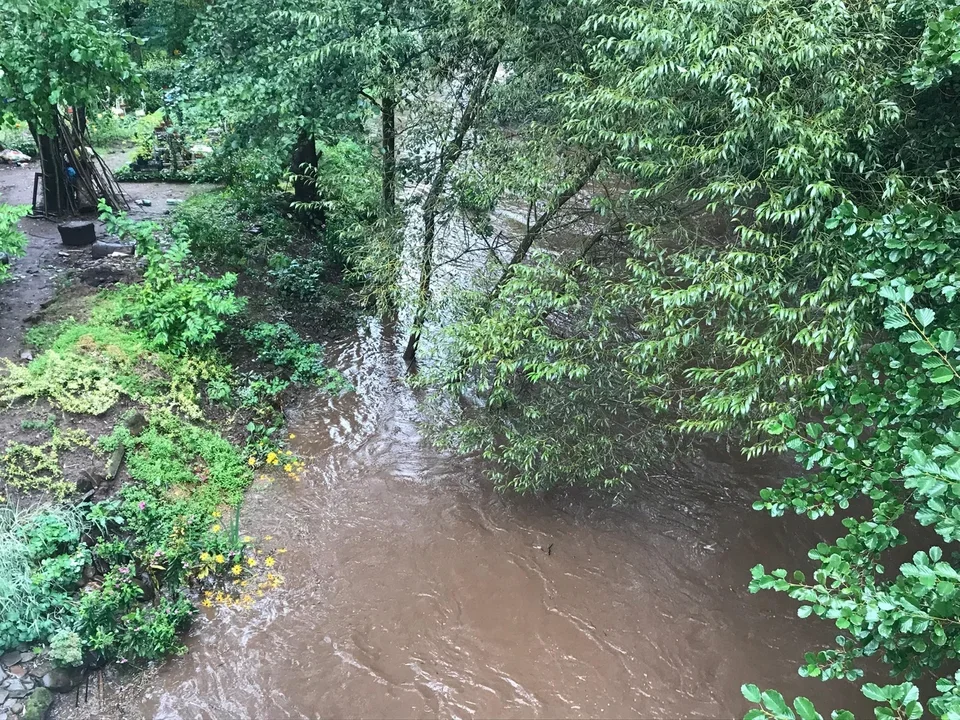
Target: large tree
55 54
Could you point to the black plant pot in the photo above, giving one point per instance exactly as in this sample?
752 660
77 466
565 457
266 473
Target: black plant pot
77 233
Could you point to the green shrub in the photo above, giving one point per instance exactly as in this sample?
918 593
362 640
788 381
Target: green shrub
159 74
12 241
108 130
66 648
281 345
298 279
211 222
178 307
347 183
41 562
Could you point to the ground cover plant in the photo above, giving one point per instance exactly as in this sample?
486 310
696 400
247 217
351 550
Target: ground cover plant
112 571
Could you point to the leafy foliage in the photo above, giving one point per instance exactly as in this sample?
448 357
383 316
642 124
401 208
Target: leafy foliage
178 306
56 52
12 241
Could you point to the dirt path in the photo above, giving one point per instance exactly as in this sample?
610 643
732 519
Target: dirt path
47 263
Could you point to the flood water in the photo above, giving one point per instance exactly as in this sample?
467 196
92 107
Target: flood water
415 590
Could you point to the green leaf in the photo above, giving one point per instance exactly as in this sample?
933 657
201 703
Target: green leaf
750 692
941 375
947 340
774 702
925 316
951 396
805 709
874 692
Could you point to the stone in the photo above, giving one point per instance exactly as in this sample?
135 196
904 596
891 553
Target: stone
89 479
113 467
77 233
16 688
16 708
10 658
136 424
27 657
101 249
28 682
26 355
42 668
61 679
4 694
38 704
18 671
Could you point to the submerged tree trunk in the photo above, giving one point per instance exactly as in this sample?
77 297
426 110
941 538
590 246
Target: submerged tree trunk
449 155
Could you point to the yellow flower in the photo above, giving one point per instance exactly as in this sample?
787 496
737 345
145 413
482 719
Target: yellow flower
292 436
247 538
204 557
282 550
259 593
271 456
251 562
219 558
287 452
269 562
217 514
206 602
216 528
236 569
268 537
251 461
288 467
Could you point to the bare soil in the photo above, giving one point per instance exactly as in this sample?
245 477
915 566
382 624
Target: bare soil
48 265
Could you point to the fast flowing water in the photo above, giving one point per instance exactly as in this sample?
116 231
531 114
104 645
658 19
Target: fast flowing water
415 590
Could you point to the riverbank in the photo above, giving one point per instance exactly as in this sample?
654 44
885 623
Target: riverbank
121 486
412 588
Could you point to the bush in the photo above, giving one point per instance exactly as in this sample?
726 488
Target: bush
347 183
281 345
15 136
108 130
12 241
41 562
178 307
210 221
159 75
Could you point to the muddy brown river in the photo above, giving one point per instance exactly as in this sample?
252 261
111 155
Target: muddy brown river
415 590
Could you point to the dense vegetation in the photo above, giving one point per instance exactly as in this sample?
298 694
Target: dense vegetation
607 227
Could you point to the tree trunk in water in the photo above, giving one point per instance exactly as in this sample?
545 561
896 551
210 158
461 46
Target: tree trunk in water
304 160
449 155
388 112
